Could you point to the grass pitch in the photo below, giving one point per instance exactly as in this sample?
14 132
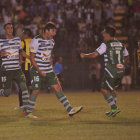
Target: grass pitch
54 123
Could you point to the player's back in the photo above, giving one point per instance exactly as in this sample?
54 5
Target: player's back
114 53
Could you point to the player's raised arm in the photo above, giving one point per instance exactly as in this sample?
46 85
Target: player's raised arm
89 55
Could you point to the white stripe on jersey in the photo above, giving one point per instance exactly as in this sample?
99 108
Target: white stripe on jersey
12 47
43 49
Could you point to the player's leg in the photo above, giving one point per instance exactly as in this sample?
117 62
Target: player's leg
36 83
6 81
128 82
60 95
20 79
28 80
31 104
108 86
18 90
28 84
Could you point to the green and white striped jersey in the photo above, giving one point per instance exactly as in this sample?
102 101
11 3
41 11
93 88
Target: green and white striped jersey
12 46
114 52
43 49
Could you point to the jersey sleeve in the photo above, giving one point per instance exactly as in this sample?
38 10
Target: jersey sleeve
125 52
34 46
101 49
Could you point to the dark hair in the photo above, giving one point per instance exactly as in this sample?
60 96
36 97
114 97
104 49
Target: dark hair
111 31
9 23
27 32
49 25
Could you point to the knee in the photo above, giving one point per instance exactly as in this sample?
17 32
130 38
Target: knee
35 92
57 88
104 91
6 92
23 86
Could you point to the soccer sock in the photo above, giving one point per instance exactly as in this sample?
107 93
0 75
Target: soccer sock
110 100
2 92
63 99
31 103
25 98
114 97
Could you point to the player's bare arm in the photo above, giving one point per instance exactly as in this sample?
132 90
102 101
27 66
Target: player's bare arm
24 54
89 55
20 57
35 65
3 53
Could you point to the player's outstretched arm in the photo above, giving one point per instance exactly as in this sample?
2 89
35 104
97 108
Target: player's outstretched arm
24 54
89 55
3 53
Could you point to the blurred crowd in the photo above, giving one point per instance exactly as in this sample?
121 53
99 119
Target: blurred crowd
79 22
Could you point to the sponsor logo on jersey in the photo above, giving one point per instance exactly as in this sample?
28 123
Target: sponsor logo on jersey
120 66
45 56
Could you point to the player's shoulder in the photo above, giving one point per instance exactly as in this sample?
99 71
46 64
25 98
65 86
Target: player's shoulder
2 40
117 43
103 45
38 37
53 40
16 38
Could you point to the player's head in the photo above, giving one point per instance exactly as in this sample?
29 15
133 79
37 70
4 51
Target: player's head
109 33
49 30
27 33
8 29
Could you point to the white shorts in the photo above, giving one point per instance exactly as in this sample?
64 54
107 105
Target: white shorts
126 80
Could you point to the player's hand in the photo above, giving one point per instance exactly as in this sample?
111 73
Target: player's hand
42 73
21 62
3 53
82 55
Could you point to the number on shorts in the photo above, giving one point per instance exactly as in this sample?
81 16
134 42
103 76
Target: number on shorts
36 78
3 78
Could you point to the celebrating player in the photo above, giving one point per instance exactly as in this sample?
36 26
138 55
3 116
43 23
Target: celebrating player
40 49
114 53
10 50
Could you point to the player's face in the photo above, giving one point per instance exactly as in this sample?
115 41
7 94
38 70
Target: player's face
9 30
106 36
50 33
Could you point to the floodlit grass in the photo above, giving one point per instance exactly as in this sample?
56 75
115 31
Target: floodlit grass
54 123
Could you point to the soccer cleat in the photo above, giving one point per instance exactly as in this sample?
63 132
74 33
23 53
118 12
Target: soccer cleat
31 116
113 112
75 110
18 107
24 112
107 113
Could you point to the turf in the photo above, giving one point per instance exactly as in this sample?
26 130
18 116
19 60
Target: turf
54 123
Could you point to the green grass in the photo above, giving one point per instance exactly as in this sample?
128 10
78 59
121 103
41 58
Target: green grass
54 123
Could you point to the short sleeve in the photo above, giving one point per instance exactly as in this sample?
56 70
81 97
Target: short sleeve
34 45
101 49
125 52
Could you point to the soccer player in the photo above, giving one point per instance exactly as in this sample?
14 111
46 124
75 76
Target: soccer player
114 53
41 48
26 64
10 51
